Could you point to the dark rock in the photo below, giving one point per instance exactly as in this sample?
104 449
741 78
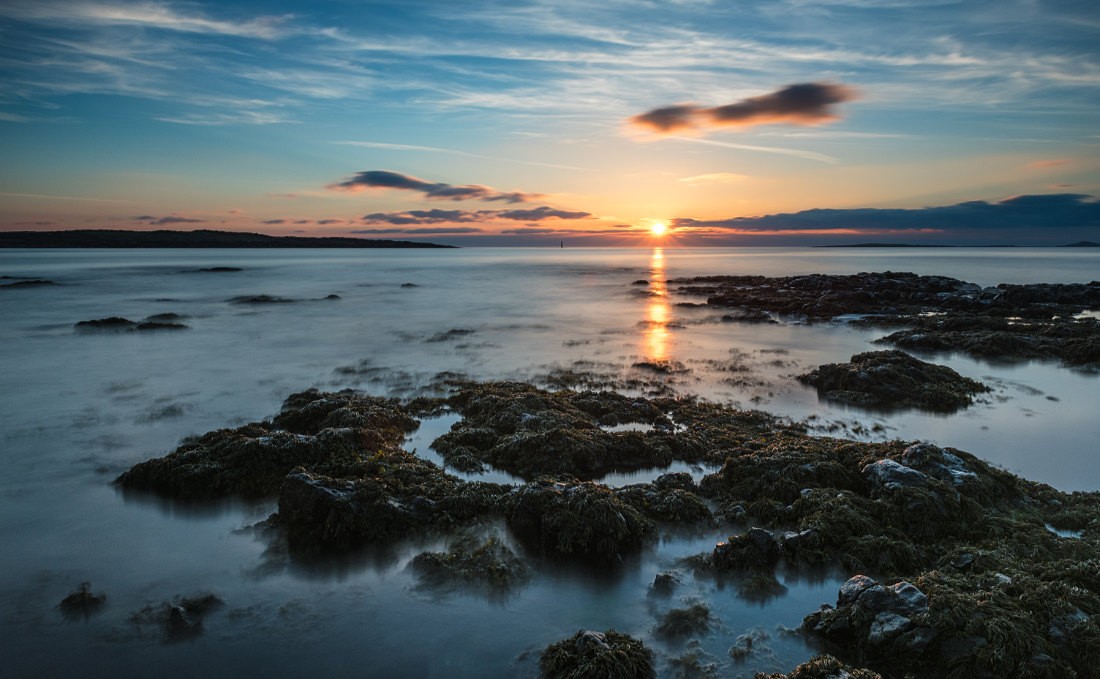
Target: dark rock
409 285
640 282
453 333
597 655
111 323
259 299
333 296
893 379
664 583
165 318
28 283
159 325
756 549
219 269
82 603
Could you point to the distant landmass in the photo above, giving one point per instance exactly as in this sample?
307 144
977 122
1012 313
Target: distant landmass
1079 244
202 238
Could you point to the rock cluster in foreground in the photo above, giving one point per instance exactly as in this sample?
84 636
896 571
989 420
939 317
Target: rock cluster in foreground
954 568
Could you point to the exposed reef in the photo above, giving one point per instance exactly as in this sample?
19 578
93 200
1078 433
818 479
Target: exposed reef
120 324
955 569
891 380
937 313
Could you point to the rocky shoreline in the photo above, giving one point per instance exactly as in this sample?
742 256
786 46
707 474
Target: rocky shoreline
954 567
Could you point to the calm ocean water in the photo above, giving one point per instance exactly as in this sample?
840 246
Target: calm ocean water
79 408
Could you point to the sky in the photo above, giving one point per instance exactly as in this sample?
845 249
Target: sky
486 122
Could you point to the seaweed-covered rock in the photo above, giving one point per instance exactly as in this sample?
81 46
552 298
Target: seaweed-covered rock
824 667
597 655
672 505
381 499
530 432
321 431
482 564
580 519
893 379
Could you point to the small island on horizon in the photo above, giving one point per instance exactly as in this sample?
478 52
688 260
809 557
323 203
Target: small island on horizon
201 238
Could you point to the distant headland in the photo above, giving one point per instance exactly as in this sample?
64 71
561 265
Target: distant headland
1079 244
203 238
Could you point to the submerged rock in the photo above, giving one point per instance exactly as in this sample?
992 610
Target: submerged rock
82 603
597 655
893 379
110 323
483 564
683 622
178 620
581 520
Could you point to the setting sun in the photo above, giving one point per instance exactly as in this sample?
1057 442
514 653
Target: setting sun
658 229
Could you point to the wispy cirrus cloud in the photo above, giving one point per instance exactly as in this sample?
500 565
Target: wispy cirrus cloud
385 179
799 104
155 15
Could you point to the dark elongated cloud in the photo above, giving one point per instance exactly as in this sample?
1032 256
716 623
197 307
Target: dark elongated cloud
425 231
1046 211
171 219
540 213
384 179
799 104
437 216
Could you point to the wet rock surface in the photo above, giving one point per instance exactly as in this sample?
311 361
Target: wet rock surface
891 380
597 655
936 313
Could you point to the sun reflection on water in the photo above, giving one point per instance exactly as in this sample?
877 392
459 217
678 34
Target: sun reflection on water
655 333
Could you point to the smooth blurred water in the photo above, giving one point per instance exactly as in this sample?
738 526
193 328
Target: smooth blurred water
81 407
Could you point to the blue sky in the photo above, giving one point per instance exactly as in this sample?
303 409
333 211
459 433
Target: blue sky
261 116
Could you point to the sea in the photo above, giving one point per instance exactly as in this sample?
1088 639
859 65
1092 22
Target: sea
79 407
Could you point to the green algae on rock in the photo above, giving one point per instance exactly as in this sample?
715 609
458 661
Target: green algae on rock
893 379
683 622
597 655
823 667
